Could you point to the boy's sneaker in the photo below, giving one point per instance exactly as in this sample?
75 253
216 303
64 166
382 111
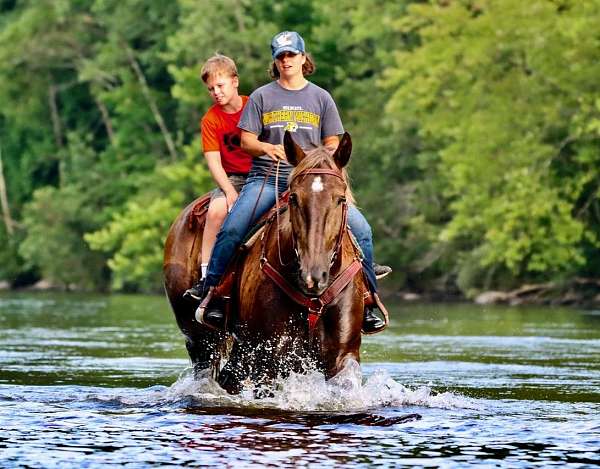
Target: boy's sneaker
195 292
381 270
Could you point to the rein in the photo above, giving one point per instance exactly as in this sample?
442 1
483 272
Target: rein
314 305
277 217
262 187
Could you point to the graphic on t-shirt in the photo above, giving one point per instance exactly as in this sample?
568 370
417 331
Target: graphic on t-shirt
232 141
288 117
291 127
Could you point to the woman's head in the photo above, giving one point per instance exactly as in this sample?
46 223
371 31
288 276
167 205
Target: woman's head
289 56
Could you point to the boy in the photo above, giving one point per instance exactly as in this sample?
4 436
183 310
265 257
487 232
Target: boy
227 162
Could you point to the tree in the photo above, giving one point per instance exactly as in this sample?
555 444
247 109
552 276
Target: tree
511 131
134 238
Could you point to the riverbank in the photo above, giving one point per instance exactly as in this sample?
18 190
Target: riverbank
577 292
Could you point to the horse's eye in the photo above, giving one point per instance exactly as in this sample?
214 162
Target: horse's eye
342 200
293 199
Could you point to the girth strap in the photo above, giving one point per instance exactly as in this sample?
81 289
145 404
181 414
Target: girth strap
314 305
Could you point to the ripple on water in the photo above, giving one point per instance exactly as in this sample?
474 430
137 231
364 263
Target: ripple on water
516 400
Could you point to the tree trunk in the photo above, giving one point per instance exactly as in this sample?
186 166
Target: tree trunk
56 126
153 107
239 17
105 119
8 221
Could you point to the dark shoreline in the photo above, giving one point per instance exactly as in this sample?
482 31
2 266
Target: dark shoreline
579 293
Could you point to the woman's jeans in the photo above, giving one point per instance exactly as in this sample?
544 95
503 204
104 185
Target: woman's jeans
241 219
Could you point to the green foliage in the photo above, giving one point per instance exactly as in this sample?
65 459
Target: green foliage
476 130
10 261
54 240
135 237
499 91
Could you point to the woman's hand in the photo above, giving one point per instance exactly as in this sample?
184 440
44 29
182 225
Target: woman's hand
275 152
230 197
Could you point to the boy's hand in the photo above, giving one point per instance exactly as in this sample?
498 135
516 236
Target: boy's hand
275 152
230 198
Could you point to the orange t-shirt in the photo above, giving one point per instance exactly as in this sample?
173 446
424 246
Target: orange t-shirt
220 133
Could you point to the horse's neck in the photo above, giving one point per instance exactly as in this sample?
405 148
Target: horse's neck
348 252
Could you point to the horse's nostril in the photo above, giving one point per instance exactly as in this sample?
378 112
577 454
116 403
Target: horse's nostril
323 281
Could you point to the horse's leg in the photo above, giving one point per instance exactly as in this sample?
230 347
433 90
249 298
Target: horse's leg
251 359
204 345
340 333
205 351
236 370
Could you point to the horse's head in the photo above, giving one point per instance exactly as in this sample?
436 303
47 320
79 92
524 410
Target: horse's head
317 206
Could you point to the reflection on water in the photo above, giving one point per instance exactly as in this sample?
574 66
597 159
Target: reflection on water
104 380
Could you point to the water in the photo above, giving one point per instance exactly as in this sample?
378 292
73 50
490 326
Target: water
95 381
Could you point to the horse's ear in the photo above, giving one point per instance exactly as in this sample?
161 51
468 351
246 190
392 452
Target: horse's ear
293 152
343 151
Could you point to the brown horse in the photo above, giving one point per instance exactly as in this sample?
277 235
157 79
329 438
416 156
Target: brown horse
297 298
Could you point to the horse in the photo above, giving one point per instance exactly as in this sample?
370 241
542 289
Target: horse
299 293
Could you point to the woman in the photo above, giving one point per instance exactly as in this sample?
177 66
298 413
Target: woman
290 103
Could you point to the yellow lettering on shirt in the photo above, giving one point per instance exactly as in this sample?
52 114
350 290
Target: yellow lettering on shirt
299 117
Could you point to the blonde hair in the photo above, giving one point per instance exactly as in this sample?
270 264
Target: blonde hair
308 67
218 64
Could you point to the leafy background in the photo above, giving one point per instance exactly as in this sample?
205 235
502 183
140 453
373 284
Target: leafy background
476 126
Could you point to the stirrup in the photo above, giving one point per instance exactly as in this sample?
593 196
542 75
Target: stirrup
202 311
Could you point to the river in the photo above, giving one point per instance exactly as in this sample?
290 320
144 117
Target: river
100 381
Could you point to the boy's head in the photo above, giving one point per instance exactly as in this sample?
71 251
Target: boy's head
218 65
220 75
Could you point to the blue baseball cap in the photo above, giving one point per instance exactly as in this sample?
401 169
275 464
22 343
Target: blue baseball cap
287 41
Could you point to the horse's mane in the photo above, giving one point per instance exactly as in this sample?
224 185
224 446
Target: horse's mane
322 157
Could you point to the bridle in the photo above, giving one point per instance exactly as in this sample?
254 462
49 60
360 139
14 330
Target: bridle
314 305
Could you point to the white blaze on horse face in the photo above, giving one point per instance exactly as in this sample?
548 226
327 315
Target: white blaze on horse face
317 185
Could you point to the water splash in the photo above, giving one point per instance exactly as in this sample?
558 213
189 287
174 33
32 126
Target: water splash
310 391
